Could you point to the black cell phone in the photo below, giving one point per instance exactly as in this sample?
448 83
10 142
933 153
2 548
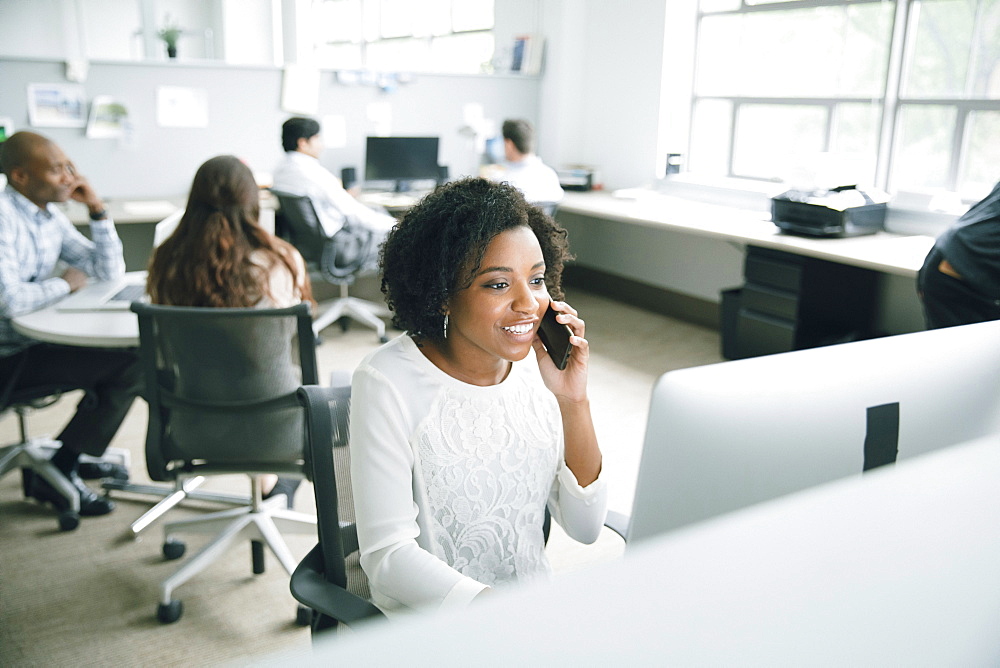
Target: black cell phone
555 336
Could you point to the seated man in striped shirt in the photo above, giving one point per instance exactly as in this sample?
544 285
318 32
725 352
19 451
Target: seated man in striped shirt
36 239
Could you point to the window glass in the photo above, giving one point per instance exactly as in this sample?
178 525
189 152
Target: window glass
986 51
468 53
396 18
718 39
404 35
385 56
923 152
855 140
711 127
338 21
938 53
472 15
815 76
981 164
433 19
775 141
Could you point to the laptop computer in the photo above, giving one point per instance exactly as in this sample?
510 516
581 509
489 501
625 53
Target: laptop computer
115 295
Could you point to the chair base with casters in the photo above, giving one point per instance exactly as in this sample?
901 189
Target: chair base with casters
183 488
34 453
262 522
345 306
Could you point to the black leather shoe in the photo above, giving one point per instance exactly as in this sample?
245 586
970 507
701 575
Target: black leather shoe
286 486
90 503
98 470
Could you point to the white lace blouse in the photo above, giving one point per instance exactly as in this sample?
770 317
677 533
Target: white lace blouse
451 480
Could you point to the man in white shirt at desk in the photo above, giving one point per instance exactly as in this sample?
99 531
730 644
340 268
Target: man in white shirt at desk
35 239
524 170
301 173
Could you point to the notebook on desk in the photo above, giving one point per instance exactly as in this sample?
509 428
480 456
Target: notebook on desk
114 295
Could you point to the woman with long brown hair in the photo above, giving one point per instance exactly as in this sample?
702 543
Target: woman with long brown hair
219 256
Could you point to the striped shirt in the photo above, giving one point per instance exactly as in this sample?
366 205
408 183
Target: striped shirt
35 246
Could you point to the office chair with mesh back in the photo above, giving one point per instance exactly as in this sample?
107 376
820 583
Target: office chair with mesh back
338 260
221 384
329 580
32 454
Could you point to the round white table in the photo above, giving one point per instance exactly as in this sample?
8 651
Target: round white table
94 329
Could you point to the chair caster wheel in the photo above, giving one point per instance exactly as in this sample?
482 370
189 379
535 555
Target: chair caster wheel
168 613
173 549
68 520
344 322
383 339
303 616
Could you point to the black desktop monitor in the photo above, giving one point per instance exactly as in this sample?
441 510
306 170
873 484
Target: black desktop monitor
726 436
401 160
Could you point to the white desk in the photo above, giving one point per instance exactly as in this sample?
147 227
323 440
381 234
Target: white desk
94 329
897 567
885 252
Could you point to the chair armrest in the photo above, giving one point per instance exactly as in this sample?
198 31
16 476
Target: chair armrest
618 523
311 589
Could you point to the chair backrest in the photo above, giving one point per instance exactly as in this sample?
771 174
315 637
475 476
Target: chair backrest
328 461
339 257
221 383
297 223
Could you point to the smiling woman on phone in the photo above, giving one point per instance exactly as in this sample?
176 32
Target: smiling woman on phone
460 436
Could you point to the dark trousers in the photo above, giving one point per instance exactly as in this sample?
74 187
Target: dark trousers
111 378
949 301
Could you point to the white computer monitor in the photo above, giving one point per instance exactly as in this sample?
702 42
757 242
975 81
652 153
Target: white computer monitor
726 436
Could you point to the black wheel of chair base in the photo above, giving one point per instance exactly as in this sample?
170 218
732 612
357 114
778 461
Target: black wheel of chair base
168 613
257 556
383 339
303 616
173 549
344 322
68 520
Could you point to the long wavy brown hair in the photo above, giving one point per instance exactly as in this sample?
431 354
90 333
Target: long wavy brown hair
206 261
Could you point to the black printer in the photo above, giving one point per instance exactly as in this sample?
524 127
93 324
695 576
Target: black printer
844 211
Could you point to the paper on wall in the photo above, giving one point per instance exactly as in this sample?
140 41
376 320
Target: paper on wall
181 107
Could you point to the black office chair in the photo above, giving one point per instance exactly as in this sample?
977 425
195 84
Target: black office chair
221 387
32 454
329 580
339 260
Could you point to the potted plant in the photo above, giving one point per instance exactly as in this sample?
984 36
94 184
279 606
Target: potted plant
170 33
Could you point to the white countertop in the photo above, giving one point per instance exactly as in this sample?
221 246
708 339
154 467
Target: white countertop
886 252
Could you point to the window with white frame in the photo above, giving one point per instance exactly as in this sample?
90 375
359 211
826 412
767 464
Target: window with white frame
901 94
404 35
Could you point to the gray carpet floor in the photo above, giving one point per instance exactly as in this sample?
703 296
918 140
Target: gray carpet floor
88 597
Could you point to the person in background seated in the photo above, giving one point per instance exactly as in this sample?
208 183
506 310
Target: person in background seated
525 170
959 283
463 430
219 256
300 173
43 258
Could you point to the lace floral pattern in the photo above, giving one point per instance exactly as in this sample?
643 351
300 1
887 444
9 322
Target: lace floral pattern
488 471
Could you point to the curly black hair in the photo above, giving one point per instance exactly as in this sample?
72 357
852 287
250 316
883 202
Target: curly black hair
439 244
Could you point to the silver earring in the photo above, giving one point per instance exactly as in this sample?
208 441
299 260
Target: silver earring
446 325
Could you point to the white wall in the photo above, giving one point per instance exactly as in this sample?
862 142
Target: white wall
602 87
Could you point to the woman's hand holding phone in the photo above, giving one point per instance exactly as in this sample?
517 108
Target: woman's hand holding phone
563 352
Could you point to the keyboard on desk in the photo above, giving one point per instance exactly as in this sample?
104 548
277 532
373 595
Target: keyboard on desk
392 200
129 293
